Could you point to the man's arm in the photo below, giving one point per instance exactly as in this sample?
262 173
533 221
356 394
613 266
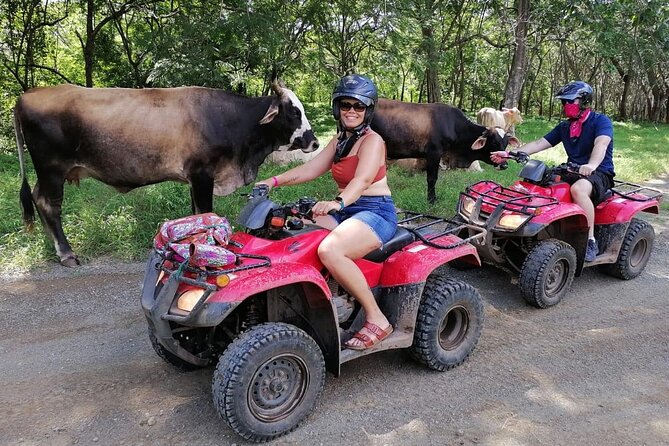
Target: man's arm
535 146
597 155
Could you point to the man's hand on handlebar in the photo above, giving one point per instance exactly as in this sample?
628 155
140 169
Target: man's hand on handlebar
501 156
586 170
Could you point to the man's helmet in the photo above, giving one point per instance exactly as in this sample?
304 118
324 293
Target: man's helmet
576 89
359 87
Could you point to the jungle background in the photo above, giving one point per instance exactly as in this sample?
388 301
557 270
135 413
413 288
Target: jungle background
469 53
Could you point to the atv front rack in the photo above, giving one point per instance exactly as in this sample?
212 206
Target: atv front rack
432 230
202 274
511 199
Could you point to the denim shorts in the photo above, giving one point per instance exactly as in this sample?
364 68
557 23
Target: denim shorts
377 212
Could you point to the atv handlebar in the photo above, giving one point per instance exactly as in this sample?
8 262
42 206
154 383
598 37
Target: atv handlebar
522 158
518 156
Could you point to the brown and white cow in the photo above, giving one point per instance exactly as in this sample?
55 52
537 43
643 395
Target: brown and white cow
211 139
506 118
435 131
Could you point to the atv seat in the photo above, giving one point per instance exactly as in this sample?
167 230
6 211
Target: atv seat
401 239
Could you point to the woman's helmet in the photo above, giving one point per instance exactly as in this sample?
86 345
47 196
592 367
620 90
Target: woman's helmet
359 87
576 89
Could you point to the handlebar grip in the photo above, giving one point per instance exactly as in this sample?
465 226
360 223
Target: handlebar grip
332 212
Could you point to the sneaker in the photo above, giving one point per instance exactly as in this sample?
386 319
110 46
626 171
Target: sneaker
591 251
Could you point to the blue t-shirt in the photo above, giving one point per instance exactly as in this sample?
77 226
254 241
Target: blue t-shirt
579 149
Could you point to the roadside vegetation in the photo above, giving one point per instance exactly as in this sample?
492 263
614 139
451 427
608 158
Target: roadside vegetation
102 223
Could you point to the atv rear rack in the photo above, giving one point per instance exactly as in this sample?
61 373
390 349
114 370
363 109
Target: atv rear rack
428 229
635 192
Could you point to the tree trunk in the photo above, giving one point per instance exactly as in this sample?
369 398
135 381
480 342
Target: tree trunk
89 44
517 73
431 73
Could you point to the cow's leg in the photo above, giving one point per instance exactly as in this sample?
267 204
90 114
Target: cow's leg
48 196
201 193
432 158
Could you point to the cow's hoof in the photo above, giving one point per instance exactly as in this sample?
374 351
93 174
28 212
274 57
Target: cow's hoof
70 261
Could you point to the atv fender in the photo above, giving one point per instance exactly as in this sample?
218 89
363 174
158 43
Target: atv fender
622 210
247 283
416 262
564 211
319 315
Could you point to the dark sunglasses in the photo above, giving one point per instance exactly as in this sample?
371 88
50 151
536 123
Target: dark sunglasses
358 106
567 101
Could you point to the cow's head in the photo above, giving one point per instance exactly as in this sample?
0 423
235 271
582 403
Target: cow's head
286 115
493 139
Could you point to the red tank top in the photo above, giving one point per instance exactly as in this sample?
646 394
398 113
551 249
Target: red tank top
344 171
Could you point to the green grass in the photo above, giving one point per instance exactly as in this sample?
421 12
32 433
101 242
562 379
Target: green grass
101 222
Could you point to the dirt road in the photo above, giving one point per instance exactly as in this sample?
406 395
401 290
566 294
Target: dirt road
77 368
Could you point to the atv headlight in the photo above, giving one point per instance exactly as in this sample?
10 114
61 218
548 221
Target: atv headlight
467 206
512 221
188 299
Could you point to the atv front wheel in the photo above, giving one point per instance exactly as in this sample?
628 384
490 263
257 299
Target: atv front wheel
547 273
268 380
634 252
449 323
170 357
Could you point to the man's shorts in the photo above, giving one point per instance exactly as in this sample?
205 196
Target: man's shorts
377 212
601 182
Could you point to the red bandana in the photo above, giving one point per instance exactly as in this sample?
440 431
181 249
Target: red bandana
576 125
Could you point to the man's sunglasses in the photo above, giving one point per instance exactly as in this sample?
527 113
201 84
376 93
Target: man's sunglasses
567 101
358 106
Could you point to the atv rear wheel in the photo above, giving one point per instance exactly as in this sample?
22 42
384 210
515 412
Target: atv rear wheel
268 380
634 251
547 273
170 357
449 323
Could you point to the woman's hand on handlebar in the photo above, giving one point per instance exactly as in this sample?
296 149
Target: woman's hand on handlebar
325 207
268 182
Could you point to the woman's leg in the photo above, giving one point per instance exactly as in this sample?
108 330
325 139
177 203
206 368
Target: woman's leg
349 241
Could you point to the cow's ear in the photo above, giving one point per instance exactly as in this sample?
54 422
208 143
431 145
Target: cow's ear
479 143
514 142
272 111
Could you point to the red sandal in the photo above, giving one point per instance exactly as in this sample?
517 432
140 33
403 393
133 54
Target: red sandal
379 335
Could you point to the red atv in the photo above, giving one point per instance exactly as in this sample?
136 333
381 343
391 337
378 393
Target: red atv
534 229
273 319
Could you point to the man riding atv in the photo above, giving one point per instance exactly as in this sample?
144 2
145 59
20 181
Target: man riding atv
587 137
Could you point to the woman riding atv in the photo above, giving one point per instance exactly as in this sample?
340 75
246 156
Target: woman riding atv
362 216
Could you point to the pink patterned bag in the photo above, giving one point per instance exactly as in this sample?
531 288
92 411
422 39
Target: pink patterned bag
198 238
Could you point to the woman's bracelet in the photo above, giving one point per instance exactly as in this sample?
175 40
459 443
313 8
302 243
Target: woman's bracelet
275 181
341 202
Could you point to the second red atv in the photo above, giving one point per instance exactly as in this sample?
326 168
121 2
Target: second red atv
267 313
534 229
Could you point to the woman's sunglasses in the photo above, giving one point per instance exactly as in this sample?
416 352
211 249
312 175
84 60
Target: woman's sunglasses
358 106
567 101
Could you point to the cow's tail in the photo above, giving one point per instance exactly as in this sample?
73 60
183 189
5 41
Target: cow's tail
26 197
